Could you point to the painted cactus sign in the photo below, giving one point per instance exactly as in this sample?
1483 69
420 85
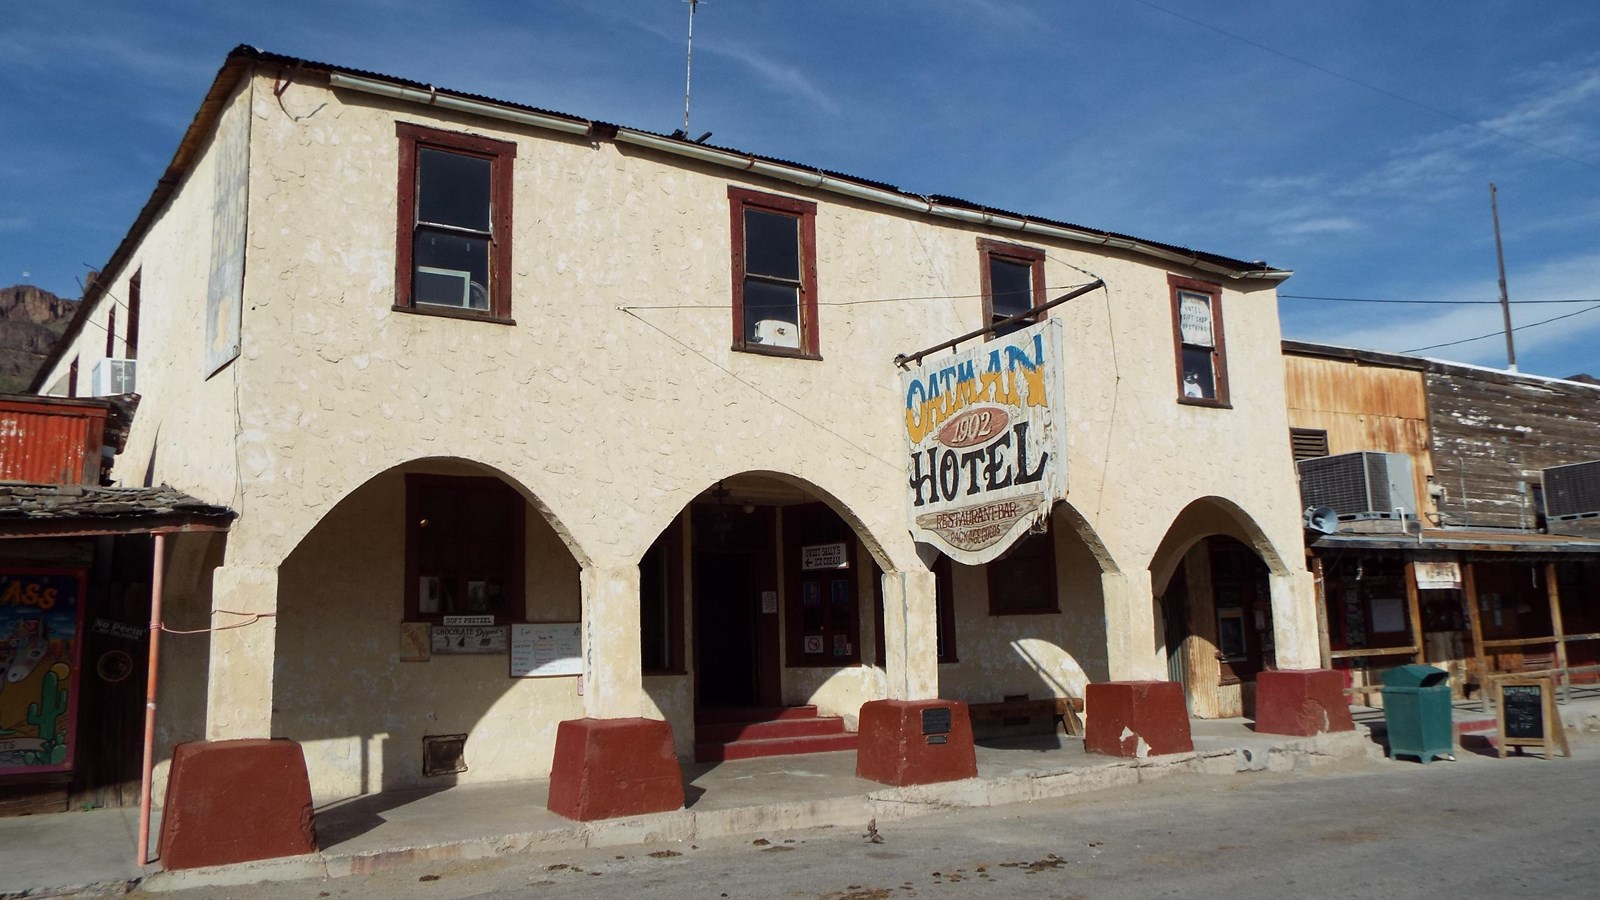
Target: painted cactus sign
41 615
986 442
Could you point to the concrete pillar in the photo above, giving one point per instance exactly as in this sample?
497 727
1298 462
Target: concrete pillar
1133 646
613 682
239 695
1294 620
910 635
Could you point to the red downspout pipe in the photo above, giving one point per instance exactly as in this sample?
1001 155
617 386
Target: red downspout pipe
157 587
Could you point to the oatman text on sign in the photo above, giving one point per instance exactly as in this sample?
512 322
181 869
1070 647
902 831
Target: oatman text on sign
985 443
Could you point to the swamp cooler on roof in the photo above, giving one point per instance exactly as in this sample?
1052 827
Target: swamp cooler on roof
1572 491
1363 485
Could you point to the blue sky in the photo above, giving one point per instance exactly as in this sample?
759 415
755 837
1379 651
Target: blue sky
1353 142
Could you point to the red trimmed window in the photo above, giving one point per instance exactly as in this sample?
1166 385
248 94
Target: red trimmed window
1023 581
454 230
774 274
464 548
1197 341
1013 283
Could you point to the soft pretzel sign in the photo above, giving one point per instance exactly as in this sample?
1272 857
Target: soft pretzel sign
986 442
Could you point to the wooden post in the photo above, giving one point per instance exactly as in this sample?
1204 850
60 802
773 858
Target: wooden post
1323 646
1553 588
1469 585
1414 608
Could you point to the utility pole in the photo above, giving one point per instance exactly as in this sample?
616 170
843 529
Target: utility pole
1500 257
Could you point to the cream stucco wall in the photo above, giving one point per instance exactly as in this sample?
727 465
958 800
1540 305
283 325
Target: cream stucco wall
614 400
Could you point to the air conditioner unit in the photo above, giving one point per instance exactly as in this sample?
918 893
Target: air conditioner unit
113 376
449 287
1363 485
1572 491
777 333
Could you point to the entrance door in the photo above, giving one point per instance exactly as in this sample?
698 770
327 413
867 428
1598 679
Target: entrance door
726 604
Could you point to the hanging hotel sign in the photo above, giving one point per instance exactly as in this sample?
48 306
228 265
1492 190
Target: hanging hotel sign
986 442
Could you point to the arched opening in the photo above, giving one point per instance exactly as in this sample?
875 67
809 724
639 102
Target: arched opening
761 601
1214 618
394 613
1030 625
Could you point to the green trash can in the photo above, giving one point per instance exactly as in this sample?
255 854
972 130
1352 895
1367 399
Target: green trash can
1417 712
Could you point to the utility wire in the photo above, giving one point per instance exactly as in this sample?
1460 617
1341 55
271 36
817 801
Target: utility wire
1500 332
1430 302
1371 87
722 305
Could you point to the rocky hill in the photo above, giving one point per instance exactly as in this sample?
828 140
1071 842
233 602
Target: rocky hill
30 321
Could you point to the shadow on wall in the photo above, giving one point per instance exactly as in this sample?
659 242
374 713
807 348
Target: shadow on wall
361 713
192 560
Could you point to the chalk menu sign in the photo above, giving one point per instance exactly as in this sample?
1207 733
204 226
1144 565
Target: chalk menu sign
546 648
1528 716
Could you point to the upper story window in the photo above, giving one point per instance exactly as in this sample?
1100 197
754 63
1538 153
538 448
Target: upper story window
1197 341
454 254
774 273
1013 283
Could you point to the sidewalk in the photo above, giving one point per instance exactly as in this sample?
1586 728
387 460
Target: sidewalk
53 854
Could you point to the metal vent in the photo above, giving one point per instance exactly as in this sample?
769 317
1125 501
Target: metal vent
1572 491
444 754
1308 443
1363 485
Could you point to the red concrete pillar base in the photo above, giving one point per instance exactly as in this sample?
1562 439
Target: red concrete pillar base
235 801
1136 719
605 768
1302 702
915 742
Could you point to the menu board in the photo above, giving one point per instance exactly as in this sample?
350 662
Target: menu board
544 649
1528 716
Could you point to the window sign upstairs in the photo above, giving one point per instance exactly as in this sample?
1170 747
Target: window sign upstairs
986 442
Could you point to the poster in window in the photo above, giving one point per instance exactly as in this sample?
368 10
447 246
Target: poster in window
477 596
841 645
811 593
1388 614
1194 319
813 644
428 595
414 641
41 616
1230 633
841 591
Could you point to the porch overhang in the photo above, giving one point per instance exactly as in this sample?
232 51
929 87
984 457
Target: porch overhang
74 510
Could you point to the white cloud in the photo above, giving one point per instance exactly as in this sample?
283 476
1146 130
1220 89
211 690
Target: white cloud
779 76
1321 225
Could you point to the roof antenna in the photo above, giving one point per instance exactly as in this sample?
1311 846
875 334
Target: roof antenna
688 68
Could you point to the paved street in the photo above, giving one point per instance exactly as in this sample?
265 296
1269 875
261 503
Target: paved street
1476 827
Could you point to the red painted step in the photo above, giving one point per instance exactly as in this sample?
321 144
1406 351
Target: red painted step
724 734
753 714
776 747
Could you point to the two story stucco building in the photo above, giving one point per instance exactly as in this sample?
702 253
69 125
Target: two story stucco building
531 419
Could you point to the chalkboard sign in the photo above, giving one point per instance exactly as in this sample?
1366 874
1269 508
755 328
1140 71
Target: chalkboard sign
1523 707
1528 716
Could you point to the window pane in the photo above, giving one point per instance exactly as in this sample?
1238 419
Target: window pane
1198 378
451 270
452 189
771 244
1194 319
771 313
1021 580
1011 284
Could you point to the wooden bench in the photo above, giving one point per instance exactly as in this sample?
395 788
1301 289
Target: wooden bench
1064 713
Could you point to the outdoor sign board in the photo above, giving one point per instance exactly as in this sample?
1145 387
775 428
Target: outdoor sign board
1528 716
986 442
1438 575
546 648
41 618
